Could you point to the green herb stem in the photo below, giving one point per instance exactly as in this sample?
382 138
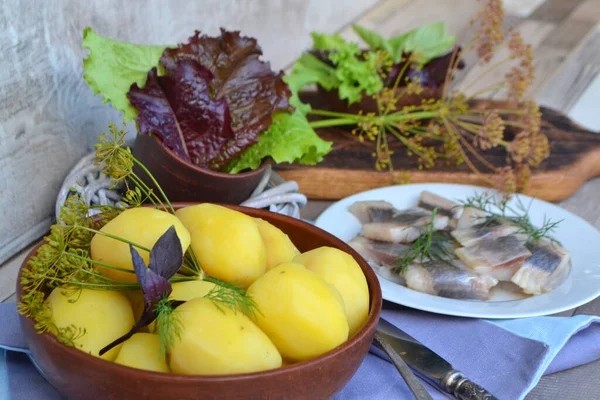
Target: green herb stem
114 237
326 113
162 193
333 122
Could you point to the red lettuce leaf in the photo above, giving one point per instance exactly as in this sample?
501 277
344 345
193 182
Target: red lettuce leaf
155 114
220 96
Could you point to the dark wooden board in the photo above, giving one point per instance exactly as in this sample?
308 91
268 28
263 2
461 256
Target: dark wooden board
350 167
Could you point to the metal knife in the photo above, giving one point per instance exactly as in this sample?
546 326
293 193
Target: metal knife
430 366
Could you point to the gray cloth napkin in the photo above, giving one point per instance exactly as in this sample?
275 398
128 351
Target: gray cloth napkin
506 357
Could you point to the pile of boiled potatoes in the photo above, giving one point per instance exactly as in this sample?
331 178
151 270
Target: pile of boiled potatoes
307 303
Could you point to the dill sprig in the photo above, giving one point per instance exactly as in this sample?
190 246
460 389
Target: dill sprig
168 324
231 296
430 245
498 208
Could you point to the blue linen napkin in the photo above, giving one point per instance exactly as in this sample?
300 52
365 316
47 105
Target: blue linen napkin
506 357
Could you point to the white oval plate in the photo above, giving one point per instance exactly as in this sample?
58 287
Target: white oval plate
575 234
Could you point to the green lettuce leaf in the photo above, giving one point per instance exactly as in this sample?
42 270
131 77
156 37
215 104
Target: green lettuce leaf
355 74
429 41
308 70
426 42
113 66
322 41
377 42
289 139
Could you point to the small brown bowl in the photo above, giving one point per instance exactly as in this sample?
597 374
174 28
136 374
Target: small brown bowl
183 181
78 375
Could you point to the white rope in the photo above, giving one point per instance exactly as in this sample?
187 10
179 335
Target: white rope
95 188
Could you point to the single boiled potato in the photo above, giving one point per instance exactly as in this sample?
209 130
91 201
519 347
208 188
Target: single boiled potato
278 245
342 271
226 242
142 351
218 341
189 290
301 313
104 315
140 225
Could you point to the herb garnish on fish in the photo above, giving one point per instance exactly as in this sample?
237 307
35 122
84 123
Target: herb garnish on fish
518 216
430 245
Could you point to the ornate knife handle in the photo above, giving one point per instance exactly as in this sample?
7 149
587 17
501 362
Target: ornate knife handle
464 389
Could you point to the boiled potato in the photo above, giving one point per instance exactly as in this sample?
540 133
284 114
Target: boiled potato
105 316
278 245
140 225
342 271
142 351
189 290
227 243
301 313
218 341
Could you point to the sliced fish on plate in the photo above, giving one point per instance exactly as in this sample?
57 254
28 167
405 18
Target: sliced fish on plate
376 252
499 257
448 280
484 230
547 268
461 252
404 226
430 201
366 211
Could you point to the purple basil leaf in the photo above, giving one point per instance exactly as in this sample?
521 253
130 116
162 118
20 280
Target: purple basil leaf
139 266
154 286
155 115
166 256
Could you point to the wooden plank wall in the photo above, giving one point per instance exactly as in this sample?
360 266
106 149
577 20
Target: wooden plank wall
49 118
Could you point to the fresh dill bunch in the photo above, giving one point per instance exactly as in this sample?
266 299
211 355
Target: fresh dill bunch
168 325
430 245
499 209
232 297
63 259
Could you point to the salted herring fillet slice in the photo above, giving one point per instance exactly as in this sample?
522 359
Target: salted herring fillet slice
449 208
375 252
484 230
404 226
454 281
470 216
366 210
547 268
498 257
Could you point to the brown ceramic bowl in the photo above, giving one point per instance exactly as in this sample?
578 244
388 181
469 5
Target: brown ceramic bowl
183 181
78 375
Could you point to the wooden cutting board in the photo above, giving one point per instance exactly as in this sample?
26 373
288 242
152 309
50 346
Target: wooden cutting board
349 168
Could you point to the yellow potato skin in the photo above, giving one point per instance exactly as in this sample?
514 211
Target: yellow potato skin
189 290
219 342
105 315
140 225
342 271
301 313
142 351
227 243
279 248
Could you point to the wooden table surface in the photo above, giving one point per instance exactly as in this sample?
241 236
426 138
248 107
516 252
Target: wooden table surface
565 35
